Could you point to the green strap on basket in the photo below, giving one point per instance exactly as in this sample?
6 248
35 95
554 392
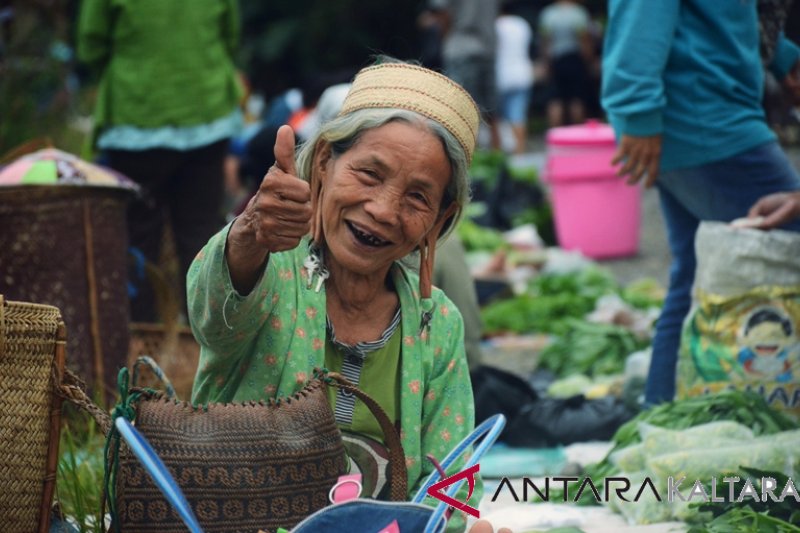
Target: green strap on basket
124 408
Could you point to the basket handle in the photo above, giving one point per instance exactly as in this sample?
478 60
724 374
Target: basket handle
397 457
148 362
73 389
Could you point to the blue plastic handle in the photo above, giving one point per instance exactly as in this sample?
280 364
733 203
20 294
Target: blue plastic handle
158 472
488 431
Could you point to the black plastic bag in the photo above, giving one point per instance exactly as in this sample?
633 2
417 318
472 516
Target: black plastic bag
497 391
535 421
561 421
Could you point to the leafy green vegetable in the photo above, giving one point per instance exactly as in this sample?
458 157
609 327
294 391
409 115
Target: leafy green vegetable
524 174
479 238
534 314
486 166
590 348
80 472
644 293
549 302
590 282
746 408
762 516
747 520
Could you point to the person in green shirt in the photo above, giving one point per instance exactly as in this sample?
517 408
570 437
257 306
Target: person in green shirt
167 107
310 275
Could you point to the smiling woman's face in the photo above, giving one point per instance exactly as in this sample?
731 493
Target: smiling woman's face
382 196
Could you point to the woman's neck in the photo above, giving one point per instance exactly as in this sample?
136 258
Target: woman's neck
355 292
360 307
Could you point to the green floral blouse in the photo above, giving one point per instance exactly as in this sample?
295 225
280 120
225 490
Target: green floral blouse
266 344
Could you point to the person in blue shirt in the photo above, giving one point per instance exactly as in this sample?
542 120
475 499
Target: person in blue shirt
682 87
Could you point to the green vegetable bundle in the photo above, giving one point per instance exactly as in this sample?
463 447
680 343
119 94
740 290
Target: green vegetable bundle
549 303
764 516
746 408
590 348
479 238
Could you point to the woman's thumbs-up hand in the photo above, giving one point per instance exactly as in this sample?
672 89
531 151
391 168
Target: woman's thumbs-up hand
281 208
275 219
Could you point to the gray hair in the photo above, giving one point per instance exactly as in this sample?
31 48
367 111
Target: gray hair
343 132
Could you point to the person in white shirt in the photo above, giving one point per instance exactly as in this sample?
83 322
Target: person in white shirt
567 47
514 73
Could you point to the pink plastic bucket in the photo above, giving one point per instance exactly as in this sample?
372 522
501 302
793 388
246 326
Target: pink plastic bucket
594 211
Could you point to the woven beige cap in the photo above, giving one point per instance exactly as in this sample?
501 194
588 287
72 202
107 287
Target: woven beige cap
404 86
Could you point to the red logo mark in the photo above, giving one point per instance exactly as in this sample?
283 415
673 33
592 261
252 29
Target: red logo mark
436 490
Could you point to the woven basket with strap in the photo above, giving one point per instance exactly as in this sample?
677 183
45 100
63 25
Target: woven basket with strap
32 352
243 467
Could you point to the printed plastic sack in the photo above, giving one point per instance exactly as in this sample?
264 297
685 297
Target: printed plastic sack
742 331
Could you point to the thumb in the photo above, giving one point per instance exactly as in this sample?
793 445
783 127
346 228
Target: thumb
284 150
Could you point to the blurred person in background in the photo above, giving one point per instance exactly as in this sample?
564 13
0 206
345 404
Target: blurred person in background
682 85
167 105
568 50
468 51
514 70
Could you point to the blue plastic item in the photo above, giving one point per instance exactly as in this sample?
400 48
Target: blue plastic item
158 471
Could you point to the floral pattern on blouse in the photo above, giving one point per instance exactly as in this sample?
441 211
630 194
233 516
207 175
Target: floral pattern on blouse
267 343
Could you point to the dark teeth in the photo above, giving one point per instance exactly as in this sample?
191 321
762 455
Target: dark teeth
367 238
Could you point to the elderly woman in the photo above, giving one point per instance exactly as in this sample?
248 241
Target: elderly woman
309 274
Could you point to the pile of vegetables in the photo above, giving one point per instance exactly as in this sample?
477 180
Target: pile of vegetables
478 238
677 439
549 302
556 304
746 408
588 348
486 166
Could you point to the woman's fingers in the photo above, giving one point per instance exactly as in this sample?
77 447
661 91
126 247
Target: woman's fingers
284 150
281 211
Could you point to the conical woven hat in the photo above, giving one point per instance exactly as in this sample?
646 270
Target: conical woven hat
404 86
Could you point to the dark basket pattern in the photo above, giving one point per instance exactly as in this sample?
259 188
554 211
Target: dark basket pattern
243 467
66 246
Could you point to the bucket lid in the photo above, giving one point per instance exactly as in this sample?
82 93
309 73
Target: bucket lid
592 133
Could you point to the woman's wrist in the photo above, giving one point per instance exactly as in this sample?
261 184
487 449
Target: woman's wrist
245 257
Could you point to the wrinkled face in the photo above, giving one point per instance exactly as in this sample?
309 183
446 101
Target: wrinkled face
382 196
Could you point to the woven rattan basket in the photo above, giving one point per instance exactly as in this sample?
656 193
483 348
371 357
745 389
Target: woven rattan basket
32 352
67 246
